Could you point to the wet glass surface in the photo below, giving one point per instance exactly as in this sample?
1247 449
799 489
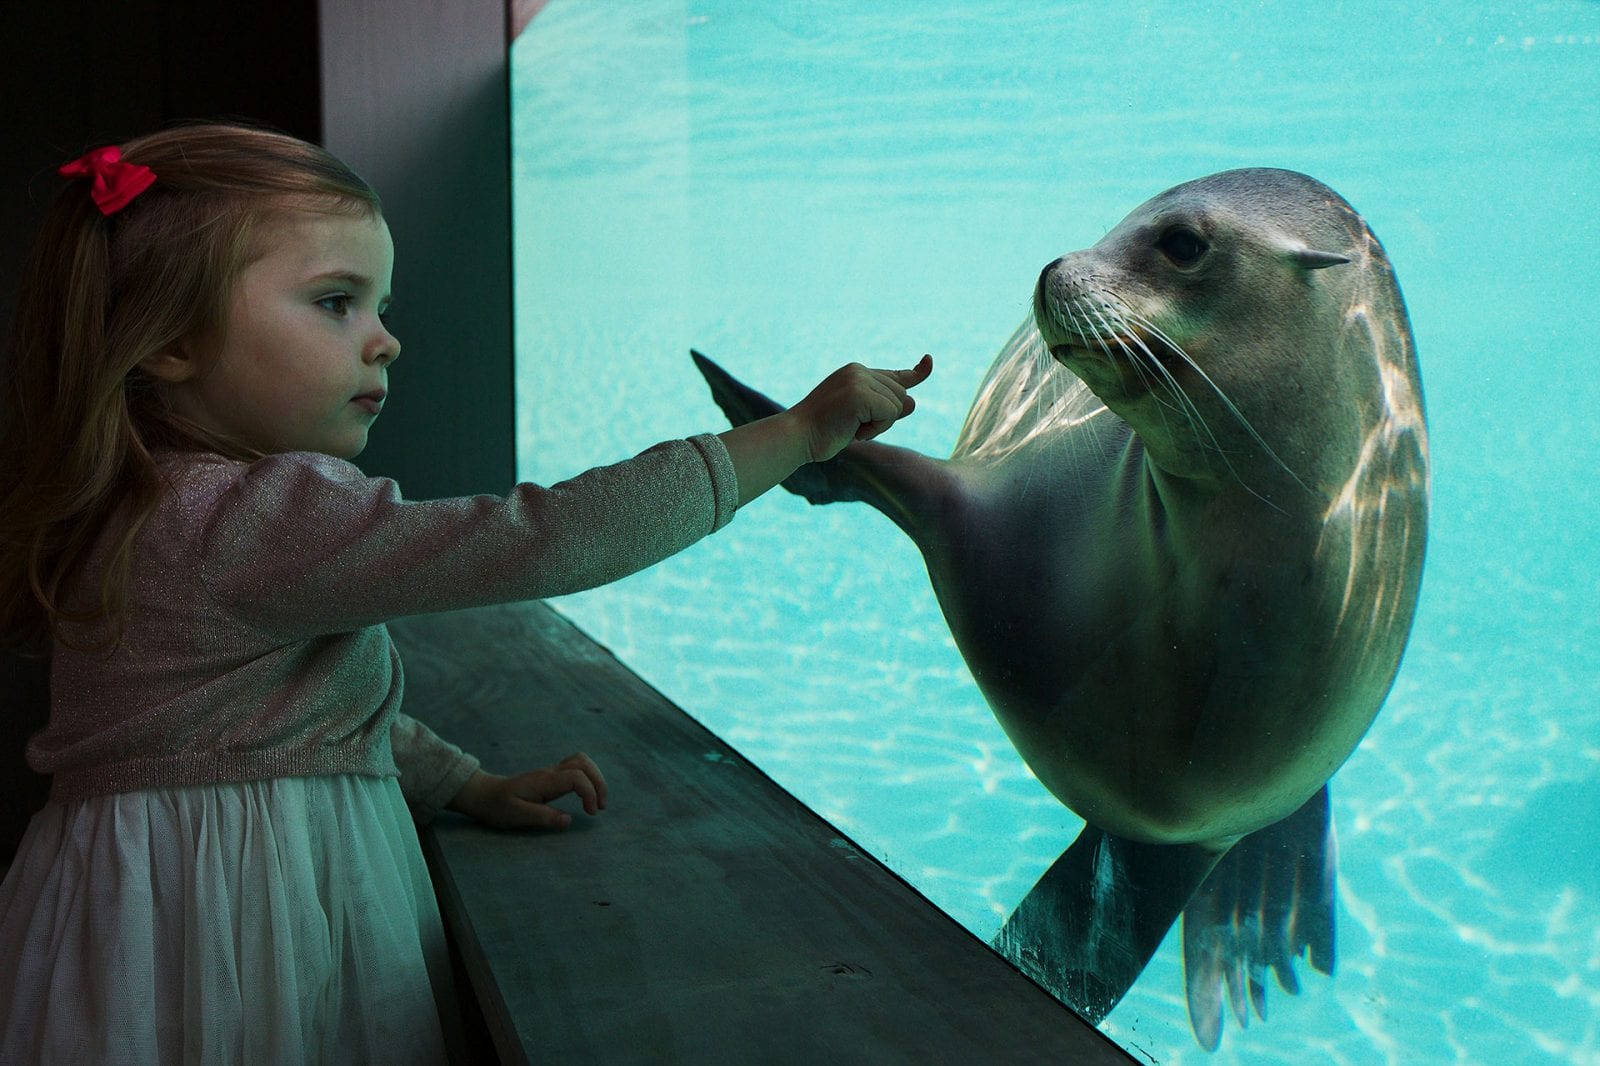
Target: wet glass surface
786 187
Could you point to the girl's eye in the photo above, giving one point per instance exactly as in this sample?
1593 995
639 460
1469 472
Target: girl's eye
339 303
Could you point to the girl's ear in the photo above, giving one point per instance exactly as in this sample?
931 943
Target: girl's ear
171 365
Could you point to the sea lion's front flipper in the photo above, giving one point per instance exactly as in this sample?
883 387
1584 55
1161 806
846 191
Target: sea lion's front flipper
1269 901
743 404
901 483
738 401
1086 930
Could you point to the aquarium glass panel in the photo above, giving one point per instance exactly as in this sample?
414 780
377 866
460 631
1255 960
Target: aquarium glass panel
787 187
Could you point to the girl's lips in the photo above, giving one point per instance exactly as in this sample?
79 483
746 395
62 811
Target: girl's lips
371 402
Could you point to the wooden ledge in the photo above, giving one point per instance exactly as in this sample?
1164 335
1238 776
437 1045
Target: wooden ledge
707 914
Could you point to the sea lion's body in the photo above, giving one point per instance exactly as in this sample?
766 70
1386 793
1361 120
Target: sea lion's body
1183 582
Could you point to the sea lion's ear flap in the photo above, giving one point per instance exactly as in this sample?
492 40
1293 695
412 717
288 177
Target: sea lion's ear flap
1311 259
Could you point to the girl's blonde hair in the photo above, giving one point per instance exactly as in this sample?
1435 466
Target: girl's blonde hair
100 296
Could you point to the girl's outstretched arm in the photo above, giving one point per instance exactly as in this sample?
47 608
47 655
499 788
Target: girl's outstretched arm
853 403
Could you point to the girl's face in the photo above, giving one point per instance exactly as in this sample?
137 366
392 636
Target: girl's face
302 362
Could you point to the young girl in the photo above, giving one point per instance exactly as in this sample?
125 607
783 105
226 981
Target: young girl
227 870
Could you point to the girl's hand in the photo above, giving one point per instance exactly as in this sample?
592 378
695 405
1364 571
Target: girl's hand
523 801
856 403
853 403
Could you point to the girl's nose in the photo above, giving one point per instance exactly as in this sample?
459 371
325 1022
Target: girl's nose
383 348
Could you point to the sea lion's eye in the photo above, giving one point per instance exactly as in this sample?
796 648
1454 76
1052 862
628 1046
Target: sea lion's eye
1182 245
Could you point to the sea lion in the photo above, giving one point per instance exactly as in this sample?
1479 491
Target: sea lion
1184 574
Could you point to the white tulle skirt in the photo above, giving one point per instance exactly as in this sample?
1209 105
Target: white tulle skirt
281 921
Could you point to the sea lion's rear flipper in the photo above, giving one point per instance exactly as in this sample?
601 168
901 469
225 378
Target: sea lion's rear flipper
897 481
1087 929
1269 901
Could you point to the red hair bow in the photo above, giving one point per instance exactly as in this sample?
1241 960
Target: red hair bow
115 183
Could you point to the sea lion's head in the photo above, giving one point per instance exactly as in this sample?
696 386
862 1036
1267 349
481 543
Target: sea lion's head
1230 321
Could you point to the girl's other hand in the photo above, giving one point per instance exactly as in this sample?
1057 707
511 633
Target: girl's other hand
523 801
857 403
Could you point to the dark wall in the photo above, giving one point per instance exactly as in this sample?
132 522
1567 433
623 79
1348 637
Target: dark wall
412 93
78 74
420 107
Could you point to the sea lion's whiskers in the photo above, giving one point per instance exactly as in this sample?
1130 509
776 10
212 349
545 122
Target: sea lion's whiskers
1116 328
1199 420
1201 429
1065 321
1040 371
1186 404
1155 331
1180 401
1036 368
1116 334
1122 326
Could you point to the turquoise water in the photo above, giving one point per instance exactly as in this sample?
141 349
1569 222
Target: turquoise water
789 186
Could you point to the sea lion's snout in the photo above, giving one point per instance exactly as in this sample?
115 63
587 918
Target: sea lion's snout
1063 309
1056 284
1047 296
